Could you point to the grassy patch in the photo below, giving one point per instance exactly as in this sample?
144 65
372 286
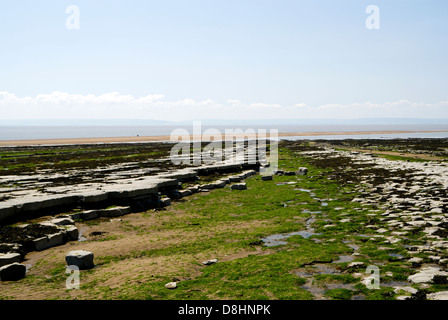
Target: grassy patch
340 294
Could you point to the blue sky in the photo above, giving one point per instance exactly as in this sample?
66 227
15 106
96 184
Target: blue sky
223 58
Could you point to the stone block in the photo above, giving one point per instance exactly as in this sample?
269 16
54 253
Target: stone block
193 189
234 179
90 215
12 272
9 258
115 212
71 232
184 193
49 241
63 221
165 202
210 262
12 248
80 258
171 285
239 186
76 216
219 184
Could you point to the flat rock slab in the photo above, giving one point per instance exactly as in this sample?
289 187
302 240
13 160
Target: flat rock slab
239 186
442 295
220 183
165 202
80 258
171 285
116 188
62 221
9 258
11 248
184 193
49 241
410 290
214 185
193 189
115 212
235 179
71 232
12 272
426 275
90 214
75 216
210 262
249 173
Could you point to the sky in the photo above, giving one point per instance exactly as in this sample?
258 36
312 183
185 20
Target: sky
223 59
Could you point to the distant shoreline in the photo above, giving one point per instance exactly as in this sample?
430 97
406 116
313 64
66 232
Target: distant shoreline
166 138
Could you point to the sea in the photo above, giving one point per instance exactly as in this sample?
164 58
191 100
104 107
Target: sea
66 132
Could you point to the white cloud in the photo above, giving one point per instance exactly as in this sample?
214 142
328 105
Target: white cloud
114 105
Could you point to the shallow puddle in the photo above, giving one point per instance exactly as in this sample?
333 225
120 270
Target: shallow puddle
286 183
311 212
324 269
344 258
395 284
396 255
317 288
276 239
310 221
306 234
318 291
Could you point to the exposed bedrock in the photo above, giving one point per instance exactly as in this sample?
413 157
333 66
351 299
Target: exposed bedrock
139 192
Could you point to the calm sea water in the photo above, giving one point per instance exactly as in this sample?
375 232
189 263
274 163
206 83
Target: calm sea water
62 132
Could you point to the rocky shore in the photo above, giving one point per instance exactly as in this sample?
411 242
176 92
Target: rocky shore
412 208
101 192
392 214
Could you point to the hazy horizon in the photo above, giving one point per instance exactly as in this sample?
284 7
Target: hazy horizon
281 122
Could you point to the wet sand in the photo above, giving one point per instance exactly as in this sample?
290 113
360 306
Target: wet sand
39 142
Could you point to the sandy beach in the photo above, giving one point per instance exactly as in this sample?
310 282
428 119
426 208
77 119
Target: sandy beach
40 142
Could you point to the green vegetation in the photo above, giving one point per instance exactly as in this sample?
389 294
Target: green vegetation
401 158
230 225
27 159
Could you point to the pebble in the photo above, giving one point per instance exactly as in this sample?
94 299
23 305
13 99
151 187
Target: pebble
210 262
171 285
